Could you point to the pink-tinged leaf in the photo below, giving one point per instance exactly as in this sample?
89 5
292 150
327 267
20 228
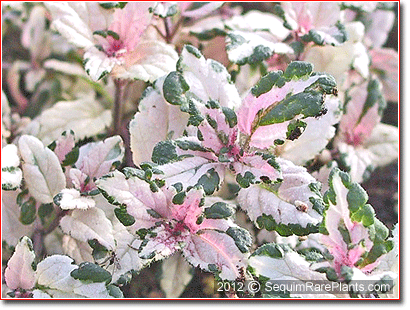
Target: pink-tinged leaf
130 23
96 159
264 136
386 61
215 251
357 123
379 24
19 272
64 145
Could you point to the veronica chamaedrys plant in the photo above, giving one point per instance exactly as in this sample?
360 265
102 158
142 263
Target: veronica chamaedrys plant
112 37
168 219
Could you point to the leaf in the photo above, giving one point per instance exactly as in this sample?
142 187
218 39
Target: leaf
64 149
11 174
175 276
334 35
85 116
77 21
53 275
70 198
12 228
383 144
250 48
289 207
42 171
97 158
19 272
91 272
89 224
156 121
153 59
352 233
97 64
219 210
216 251
280 97
277 262
207 78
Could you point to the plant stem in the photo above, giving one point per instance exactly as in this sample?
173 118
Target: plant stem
168 31
117 111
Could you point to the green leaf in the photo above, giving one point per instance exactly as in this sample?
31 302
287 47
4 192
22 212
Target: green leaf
28 211
99 251
242 238
374 96
309 103
266 83
89 272
114 291
268 222
246 180
230 116
219 210
71 157
272 250
179 198
45 212
297 70
209 181
356 197
164 152
174 89
295 129
125 218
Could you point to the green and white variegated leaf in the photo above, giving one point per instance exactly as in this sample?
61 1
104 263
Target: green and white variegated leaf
351 232
176 273
42 171
90 224
222 249
85 116
134 197
280 99
70 198
78 250
19 272
194 171
249 47
11 227
278 262
293 206
334 35
315 137
358 160
154 59
55 276
164 9
11 174
155 121
97 64
207 79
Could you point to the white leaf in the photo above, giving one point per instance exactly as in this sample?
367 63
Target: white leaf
208 79
85 116
54 274
287 203
42 171
383 144
77 21
149 61
64 144
176 274
315 137
88 225
280 263
78 250
156 121
359 160
243 46
11 227
72 199
64 67
19 272
11 174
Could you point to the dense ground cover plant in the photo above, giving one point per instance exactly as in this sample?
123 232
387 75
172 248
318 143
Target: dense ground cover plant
160 149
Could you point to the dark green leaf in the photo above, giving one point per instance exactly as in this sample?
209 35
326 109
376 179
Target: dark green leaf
89 272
